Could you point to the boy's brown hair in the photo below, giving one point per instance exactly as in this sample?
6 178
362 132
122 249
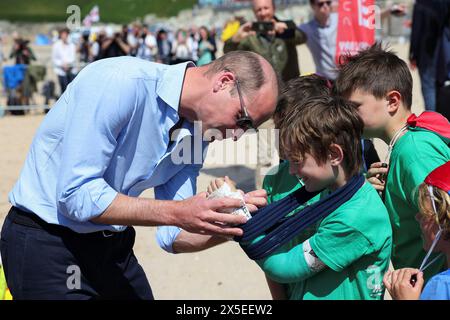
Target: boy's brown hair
376 71
320 122
295 92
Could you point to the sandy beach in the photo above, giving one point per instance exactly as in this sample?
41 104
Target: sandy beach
223 272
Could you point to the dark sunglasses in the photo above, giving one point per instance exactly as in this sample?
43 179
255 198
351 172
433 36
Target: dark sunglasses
245 122
321 4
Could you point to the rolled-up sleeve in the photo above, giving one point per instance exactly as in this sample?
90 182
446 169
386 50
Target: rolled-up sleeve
181 186
99 108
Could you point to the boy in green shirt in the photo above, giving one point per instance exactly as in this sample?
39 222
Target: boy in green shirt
349 253
381 84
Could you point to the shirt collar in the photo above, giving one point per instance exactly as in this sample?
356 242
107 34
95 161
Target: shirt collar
169 88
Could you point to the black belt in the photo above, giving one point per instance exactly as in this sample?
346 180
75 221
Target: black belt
31 220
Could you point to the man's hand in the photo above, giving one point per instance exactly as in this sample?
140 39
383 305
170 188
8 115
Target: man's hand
398 283
200 215
398 10
376 175
244 31
279 27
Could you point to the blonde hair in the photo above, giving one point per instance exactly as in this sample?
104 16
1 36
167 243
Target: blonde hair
442 202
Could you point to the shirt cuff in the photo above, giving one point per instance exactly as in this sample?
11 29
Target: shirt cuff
166 236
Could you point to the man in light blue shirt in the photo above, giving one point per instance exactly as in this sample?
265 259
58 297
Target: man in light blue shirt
121 127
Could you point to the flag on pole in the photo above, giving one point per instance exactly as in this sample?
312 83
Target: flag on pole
93 16
356 28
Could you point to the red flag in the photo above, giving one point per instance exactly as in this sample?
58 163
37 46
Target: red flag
356 27
93 16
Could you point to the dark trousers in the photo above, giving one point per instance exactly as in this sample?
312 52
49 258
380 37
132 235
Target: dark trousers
65 80
443 101
44 261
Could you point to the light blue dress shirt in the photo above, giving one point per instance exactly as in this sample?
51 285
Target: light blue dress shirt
109 133
322 44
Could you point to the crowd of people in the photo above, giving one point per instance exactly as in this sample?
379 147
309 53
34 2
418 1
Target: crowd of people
197 45
70 55
164 46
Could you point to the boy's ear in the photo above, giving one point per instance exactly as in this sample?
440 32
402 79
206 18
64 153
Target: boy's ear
394 99
336 154
223 80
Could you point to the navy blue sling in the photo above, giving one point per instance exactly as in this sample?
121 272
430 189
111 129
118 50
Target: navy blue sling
278 229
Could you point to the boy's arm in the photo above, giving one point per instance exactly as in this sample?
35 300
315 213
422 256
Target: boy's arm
335 246
294 265
277 290
176 240
191 242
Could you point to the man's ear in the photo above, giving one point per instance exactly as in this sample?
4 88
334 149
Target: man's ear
223 80
394 99
336 154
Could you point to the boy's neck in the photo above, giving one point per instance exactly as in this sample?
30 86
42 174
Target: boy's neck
341 179
396 123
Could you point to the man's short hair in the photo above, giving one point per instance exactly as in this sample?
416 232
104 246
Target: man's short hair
295 92
245 65
376 71
324 121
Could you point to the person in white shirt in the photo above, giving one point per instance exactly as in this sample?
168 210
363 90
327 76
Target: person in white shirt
64 59
148 47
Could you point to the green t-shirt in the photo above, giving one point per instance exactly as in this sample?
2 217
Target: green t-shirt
278 184
354 241
415 155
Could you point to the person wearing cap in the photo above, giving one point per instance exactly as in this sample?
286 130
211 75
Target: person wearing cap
434 219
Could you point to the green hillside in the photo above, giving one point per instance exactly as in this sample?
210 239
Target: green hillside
117 11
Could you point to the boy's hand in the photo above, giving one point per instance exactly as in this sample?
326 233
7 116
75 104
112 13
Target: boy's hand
197 214
255 199
376 175
218 182
398 283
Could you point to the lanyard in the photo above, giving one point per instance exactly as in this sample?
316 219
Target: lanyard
387 159
424 265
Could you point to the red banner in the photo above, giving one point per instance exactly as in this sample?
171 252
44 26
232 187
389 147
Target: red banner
356 28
